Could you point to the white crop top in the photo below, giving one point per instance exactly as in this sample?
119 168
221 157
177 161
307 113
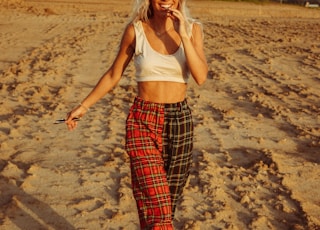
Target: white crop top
153 66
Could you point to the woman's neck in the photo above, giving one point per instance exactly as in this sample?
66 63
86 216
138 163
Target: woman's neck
161 25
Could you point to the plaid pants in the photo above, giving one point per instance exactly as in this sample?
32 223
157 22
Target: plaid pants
159 141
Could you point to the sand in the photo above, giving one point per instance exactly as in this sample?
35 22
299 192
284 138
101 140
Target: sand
257 118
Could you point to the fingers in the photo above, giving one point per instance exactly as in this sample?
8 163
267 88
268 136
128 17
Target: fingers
177 14
71 121
72 125
73 116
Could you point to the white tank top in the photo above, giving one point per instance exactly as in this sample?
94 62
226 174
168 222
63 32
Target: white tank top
153 66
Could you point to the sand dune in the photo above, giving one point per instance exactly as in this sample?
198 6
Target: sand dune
257 118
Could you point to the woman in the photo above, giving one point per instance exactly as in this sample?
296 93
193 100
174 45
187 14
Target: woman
167 48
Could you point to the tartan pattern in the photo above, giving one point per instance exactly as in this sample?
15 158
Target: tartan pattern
177 149
159 143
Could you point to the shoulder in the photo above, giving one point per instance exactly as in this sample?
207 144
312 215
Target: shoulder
133 29
129 31
197 32
128 37
197 28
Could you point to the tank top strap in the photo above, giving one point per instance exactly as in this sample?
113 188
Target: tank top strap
138 28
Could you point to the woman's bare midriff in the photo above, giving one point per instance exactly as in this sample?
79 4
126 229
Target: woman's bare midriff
162 92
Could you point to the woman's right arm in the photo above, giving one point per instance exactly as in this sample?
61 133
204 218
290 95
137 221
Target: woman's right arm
109 79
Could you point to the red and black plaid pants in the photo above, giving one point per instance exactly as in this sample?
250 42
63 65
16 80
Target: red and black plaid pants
159 141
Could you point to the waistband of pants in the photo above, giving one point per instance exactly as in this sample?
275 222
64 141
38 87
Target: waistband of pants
167 106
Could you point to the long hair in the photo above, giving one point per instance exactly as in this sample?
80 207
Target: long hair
142 11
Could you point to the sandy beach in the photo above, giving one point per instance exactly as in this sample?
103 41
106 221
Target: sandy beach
257 118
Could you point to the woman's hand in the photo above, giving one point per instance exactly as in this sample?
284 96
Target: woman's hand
73 115
179 22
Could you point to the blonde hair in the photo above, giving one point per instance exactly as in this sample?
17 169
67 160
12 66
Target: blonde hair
142 11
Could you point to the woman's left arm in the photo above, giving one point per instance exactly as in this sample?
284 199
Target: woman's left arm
195 55
194 49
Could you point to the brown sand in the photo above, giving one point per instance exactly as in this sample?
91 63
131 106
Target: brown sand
257 118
